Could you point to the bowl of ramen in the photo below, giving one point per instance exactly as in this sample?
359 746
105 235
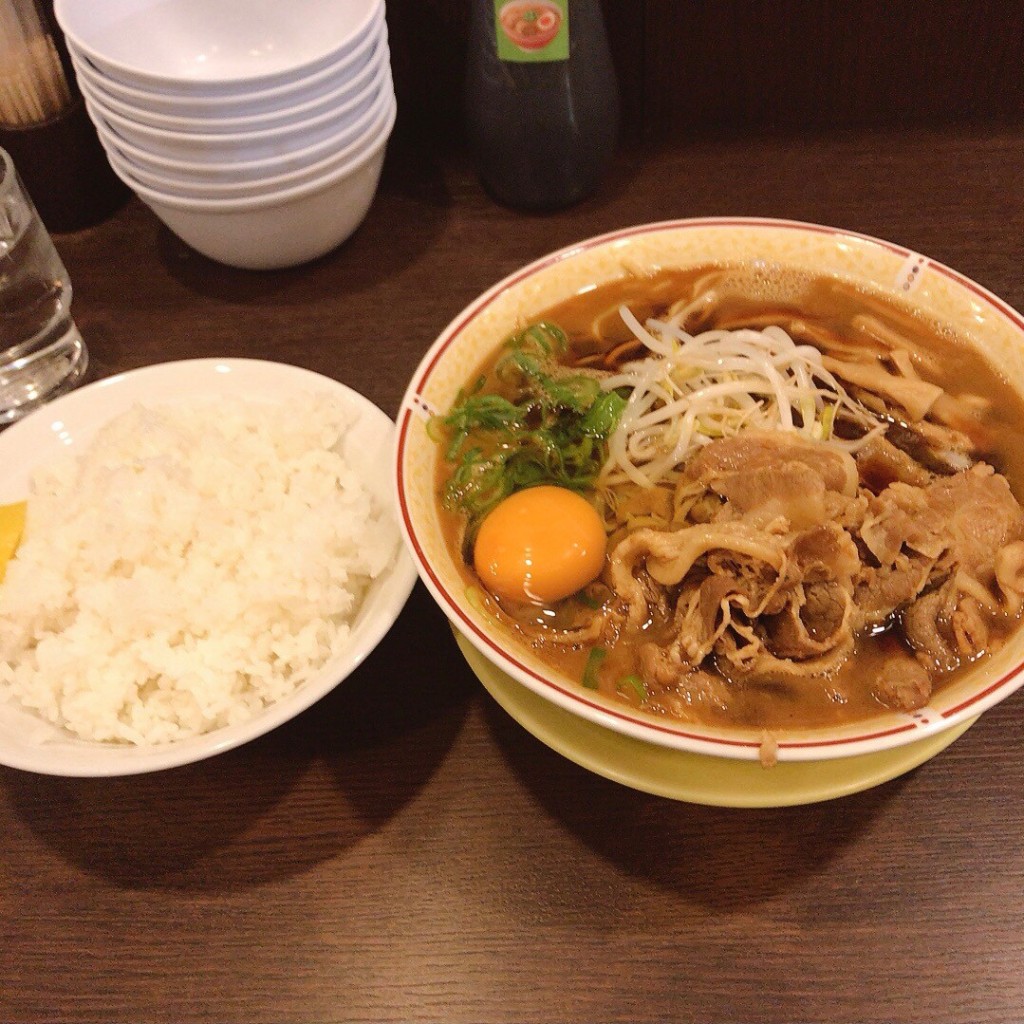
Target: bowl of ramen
738 487
530 24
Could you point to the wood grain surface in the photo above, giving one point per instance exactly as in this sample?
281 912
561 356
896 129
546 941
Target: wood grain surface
404 851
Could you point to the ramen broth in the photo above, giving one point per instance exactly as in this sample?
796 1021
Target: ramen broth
753 296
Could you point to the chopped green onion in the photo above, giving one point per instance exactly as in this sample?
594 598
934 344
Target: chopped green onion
548 336
594 659
828 418
708 429
435 429
635 683
553 430
477 601
603 414
807 410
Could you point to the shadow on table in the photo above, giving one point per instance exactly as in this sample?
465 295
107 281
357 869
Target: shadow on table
275 807
720 857
401 713
407 215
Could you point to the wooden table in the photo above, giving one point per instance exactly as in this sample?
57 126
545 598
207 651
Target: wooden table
404 851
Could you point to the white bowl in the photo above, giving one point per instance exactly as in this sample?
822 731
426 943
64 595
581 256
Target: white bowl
171 187
240 102
70 423
934 290
246 146
247 171
246 177
332 100
215 48
284 229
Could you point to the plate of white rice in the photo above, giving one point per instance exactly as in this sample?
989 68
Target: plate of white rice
210 546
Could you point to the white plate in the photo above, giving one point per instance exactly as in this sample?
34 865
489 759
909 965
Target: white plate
28 742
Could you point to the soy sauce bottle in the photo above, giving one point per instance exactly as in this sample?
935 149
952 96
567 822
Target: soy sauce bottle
542 103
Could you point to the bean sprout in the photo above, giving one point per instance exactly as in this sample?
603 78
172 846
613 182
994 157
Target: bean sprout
692 389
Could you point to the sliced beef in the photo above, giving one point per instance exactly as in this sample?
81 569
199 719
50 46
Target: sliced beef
754 450
961 521
814 622
928 627
666 557
789 560
708 606
792 490
825 551
881 463
879 592
902 683
982 516
903 517
1010 576
753 664
679 690
817 614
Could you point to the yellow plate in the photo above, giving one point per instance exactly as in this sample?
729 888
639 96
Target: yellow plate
696 778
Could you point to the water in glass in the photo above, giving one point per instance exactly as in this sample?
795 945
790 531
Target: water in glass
41 351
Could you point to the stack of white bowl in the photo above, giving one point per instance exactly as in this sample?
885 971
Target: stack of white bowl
254 129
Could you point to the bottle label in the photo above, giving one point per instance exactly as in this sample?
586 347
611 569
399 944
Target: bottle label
532 30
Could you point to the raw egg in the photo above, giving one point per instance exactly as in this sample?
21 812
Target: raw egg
12 523
539 545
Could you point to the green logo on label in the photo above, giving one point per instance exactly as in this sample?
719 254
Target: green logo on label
532 30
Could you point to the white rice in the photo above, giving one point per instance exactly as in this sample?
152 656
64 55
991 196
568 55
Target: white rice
193 566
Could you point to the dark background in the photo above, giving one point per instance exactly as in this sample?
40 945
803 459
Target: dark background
709 68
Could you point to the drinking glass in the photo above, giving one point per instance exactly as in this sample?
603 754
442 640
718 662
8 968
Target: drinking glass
42 354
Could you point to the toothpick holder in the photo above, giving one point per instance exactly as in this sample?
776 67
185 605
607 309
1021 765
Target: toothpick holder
65 170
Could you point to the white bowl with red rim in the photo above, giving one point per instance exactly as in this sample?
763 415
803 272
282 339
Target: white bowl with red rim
983 319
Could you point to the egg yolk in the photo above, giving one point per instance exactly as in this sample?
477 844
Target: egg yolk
539 545
12 523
